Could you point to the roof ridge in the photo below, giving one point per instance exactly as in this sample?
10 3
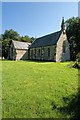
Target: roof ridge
49 34
20 41
46 40
20 45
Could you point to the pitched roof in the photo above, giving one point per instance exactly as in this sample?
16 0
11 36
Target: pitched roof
47 40
20 45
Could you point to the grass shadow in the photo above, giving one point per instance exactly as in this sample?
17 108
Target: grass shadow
71 104
38 61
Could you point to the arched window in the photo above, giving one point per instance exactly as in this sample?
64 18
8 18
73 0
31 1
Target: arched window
39 52
64 47
48 52
31 54
35 53
42 51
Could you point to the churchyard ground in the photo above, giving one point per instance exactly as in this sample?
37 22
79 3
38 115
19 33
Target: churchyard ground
38 89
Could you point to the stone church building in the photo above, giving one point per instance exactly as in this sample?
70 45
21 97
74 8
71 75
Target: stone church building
18 50
52 47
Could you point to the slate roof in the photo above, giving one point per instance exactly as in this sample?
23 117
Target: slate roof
20 45
47 40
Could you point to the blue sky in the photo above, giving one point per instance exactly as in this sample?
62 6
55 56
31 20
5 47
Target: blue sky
36 19
79 9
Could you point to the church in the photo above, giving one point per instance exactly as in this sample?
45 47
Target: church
18 50
51 47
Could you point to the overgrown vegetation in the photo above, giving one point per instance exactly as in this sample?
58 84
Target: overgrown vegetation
39 90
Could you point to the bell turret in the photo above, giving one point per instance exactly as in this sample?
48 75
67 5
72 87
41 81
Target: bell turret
63 25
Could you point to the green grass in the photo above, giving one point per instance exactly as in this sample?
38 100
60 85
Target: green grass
37 89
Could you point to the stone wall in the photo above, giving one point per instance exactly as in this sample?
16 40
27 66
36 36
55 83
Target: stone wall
62 48
58 52
21 54
12 53
16 54
43 53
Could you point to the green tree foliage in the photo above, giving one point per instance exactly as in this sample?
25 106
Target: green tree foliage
73 34
6 40
26 39
33 39
11 34
8 36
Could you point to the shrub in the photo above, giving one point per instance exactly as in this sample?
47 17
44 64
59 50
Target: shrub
77 62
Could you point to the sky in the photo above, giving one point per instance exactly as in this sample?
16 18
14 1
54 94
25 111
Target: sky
36 19
79 9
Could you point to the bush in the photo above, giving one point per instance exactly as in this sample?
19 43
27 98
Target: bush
78 59
77 62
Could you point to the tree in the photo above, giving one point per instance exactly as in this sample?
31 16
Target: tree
5 47
26 39
33 39
73 34
11 34
6 40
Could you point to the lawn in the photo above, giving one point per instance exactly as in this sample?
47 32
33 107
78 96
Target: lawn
38 89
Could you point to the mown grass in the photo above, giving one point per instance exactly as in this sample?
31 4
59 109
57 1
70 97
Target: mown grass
37 89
